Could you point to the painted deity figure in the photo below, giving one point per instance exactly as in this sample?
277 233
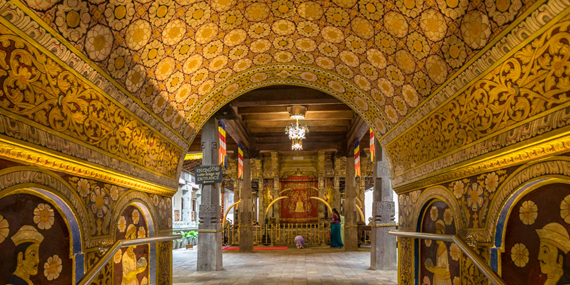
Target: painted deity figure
441 272
132 267
26 255
554 246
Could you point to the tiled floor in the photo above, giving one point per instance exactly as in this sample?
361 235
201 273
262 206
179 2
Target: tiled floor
317 265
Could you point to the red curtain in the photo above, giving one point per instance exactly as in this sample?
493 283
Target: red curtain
299 208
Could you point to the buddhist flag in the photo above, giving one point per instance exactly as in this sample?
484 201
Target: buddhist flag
372 147
240 161
356 159
222 149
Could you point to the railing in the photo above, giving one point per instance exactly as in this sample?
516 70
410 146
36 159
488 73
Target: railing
479 262
313 233
111 252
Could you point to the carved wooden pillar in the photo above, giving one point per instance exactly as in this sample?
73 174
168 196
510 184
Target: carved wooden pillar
383 247
246 214
349 206
210 237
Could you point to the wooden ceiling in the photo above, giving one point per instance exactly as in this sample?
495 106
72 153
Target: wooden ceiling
259 117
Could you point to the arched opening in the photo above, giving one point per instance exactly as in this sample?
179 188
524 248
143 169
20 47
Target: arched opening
439 262
135 264
539 209
255 123
31 219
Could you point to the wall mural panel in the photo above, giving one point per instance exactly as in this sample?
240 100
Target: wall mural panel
34 242
131 263
298 208
537 239
439 261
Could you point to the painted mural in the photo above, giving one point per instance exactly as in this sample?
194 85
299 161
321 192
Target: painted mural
537 240
34 242
439 261
131 263
299 208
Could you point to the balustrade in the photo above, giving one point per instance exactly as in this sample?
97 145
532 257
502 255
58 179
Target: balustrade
284 234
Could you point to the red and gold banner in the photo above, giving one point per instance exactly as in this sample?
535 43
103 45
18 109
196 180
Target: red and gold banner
299 208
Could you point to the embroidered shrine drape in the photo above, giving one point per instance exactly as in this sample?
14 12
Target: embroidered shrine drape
299 208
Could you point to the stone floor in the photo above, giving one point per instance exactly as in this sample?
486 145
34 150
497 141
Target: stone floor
315 265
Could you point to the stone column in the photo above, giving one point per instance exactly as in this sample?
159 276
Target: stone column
383 247
245 213
209 227
350 212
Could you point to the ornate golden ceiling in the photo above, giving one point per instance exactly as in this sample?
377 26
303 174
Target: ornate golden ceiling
185 59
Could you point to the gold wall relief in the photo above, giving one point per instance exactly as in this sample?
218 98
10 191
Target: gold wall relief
38 89
530 84
27 156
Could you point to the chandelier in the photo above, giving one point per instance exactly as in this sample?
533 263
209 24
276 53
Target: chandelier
295 131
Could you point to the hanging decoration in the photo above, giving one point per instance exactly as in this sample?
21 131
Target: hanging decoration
240 160
356 159
295 131
372 147
222 149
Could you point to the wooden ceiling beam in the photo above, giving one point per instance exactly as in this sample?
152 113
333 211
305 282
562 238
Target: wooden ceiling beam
312 129
287 97
310 115
283 124
307 146
282 138
283 109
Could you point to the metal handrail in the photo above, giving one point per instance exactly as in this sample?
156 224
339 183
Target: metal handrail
479 262
113 250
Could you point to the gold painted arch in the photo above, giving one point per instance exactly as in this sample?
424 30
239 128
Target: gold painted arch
363 103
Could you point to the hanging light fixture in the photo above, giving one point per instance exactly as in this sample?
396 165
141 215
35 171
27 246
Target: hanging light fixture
295 131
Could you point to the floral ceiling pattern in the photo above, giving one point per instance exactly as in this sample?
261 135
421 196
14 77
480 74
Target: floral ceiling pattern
171 54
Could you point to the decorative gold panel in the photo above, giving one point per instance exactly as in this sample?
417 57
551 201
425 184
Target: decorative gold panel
45 92
533 82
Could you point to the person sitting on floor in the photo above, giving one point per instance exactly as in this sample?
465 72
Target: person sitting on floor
300 242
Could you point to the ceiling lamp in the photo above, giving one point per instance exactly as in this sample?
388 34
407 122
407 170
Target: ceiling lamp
297 144
295 131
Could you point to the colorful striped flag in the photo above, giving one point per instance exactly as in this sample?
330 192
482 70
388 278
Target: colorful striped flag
356 159
222 149
372 147
240 161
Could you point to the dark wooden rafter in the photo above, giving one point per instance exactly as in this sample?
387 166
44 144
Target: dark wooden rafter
357 131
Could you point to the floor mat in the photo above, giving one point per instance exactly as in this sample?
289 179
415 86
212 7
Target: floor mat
258 248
